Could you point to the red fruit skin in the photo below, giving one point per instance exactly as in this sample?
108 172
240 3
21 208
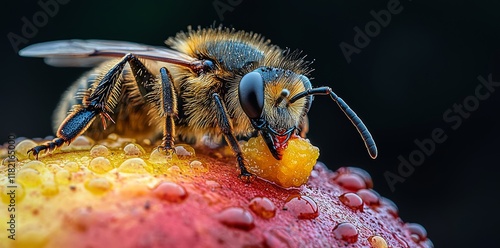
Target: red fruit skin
146 220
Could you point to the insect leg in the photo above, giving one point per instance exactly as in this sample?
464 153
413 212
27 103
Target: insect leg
227 130
100 100
169 109
351 115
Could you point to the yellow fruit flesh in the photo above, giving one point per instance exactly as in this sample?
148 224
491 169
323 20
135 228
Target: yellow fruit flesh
292 170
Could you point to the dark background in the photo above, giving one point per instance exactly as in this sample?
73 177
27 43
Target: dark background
423 62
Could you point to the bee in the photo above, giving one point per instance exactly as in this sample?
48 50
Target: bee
211 83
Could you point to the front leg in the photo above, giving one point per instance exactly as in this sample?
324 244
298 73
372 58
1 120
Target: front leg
101 99
227 131
75 124
168 109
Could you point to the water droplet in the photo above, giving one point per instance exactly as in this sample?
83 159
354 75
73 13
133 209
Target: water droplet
133 150
346 232
80 143
134 165
170 191
99 151
113 136
302 206
98 185
5 160
72 166
100 165
377 242
363 174
22 149
369 196
63 177
352 201
212 184
263 207
236 217
278 238
417 231
428 243
415 238
49 189
36 165
351 182
159 156
184 151
390 206
197 165
174 169
113 141
29 177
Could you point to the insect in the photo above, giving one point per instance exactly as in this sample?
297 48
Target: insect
211 82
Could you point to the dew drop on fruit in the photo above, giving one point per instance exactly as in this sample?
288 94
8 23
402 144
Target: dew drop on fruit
72 166
278 238
346 232
29 177
212 184
197 165
133 150
100 165
263 207
174 169
184 151
170 191
428 244
377 242
304 207
352 201
36 165
351 182
363 174
99 151
417 231
390 206
134 165
98 185
160 157
369 196
80 143
23 147
113 136
236 217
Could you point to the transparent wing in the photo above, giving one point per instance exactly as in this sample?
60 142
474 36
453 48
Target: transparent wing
88 53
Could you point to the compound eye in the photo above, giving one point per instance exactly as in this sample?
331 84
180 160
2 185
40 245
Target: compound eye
251 94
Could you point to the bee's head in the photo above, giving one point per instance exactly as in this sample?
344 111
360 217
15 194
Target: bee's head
264 97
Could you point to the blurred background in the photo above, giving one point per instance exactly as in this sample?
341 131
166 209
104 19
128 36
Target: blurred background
421 64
